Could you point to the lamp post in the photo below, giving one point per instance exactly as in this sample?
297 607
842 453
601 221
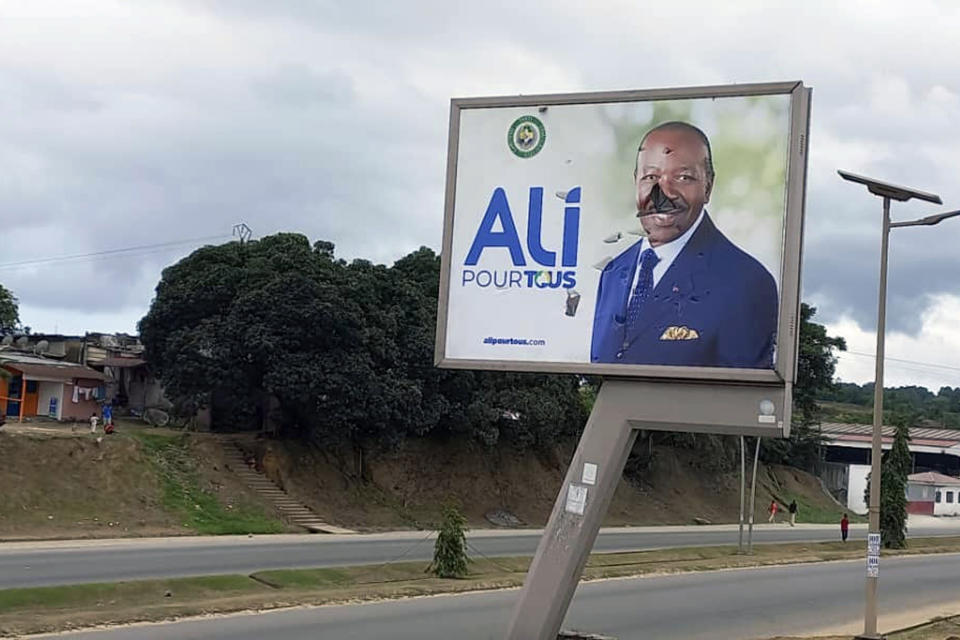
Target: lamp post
888 192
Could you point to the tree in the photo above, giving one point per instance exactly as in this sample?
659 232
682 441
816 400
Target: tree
450 551
9 311
343 351
816 365
896 467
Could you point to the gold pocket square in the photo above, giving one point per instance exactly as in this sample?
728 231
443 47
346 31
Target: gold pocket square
679 333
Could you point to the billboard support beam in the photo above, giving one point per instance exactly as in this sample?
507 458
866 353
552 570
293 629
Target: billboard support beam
621 408
569 536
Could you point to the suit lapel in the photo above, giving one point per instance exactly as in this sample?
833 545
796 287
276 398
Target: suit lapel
623 275
679 285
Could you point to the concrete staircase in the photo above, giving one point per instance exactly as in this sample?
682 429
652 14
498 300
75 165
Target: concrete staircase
290 510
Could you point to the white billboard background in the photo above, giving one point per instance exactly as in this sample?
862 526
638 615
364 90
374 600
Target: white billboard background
594 146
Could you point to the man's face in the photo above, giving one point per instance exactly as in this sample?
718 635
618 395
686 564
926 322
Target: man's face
672 183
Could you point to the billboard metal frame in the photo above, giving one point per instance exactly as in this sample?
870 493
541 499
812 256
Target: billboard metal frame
789 308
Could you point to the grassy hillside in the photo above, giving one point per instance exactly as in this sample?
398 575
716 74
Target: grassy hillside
148 482
406 488
70 486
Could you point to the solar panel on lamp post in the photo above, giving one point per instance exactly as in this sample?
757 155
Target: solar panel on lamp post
888 192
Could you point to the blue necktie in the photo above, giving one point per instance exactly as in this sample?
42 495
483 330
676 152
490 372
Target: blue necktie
648 260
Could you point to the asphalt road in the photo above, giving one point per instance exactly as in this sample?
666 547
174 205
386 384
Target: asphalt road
732 605
105 561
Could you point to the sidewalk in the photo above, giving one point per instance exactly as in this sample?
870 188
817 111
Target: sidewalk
942 524
287 538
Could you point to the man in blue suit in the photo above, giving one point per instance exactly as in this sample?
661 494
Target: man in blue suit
684 294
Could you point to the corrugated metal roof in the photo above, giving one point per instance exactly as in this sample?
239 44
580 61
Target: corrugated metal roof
934 478
40 368
121 362
918 435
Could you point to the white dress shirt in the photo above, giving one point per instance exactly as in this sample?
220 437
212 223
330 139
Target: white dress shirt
667 253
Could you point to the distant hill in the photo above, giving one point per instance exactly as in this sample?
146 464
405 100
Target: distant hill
850 402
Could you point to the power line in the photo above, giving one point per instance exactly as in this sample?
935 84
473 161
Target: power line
147 248
925 364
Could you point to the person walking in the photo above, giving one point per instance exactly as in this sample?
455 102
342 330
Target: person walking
793 513
772 510
93 423
844 528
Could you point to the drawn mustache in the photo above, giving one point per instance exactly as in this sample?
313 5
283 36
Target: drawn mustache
658 202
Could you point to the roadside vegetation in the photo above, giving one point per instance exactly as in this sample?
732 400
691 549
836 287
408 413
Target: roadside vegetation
200 510
46 609
851 402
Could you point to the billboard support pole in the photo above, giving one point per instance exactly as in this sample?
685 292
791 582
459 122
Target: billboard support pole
575 521
743 472
753 497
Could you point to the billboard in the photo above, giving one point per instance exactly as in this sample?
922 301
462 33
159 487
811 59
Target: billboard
650 233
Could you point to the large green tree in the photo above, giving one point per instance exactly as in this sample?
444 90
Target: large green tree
816 365
343 351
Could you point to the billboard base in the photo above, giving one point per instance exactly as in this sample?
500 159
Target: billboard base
621 408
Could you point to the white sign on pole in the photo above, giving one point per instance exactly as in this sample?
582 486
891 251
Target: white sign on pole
576 499
873 544
873 566
589 473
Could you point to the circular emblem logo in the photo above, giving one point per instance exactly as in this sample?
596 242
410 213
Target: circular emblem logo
526 136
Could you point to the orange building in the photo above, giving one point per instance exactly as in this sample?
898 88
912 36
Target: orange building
51 388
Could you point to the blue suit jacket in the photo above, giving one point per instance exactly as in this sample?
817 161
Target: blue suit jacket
713 288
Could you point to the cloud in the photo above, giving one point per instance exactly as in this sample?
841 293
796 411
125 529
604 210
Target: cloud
927 355
126 124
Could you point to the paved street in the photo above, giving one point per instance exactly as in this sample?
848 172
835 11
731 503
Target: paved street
732 605
38 564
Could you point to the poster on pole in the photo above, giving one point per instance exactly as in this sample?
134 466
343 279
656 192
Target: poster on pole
652 234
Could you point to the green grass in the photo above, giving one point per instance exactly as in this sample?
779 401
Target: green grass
818 514
306 578
200 510
81 596
846 412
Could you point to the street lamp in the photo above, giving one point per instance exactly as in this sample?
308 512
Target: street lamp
888 192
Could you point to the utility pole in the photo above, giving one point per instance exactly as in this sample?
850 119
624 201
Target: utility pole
888 192
243 232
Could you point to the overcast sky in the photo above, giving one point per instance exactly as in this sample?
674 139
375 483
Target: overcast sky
138 123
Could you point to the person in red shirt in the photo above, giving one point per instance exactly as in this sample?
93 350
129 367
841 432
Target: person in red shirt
772 510
844 527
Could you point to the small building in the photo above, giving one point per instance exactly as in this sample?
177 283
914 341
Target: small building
846 462
36 386
933 494
129 382
125 378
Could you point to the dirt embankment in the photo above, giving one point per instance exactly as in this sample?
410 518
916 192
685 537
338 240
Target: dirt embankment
71 486
405 488
74 487
68 485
